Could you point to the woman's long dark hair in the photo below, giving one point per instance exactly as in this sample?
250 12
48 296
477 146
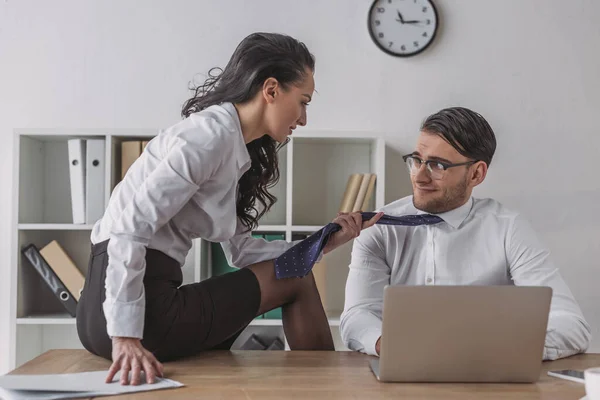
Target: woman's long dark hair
258 57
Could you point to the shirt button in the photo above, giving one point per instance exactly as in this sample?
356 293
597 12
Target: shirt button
429 280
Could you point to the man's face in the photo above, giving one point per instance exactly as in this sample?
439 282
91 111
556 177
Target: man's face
454 187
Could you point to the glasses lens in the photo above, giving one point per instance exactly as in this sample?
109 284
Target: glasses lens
436 170
412 165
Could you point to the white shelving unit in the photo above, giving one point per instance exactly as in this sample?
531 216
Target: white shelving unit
314 169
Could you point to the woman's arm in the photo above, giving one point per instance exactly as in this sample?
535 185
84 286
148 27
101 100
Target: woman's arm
185 165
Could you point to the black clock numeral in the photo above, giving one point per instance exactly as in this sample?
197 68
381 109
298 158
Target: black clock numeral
389 1
416 44
424 9
403 48
380 9
380 34
391 43
428 22
377 22
424 34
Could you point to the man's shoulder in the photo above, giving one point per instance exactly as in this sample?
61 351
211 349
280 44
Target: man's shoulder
487 207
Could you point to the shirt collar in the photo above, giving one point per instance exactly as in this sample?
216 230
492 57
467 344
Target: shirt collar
241 151
454 217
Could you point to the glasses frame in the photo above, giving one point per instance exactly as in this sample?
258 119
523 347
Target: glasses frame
428 163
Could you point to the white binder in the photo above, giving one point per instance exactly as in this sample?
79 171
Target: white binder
94 180
77 176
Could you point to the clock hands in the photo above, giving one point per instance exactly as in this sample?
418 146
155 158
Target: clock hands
402 21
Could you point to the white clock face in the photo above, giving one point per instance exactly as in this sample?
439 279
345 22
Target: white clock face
403 27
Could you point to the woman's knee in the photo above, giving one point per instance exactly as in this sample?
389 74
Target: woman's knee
287 290
307 284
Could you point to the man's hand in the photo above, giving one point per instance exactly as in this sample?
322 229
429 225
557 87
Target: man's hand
128 354
351 224
378 345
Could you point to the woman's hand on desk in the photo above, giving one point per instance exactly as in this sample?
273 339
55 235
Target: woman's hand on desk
128 354
352 224
378 346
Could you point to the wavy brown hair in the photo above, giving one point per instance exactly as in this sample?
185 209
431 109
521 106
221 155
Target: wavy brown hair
258 57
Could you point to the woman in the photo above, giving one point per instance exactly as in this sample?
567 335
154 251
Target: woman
203 177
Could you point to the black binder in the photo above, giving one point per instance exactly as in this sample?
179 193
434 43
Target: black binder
52 280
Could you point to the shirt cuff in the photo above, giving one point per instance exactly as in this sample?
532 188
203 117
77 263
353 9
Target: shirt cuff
551 354
369 340
125 319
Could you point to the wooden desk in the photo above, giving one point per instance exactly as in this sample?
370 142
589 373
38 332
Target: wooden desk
307 375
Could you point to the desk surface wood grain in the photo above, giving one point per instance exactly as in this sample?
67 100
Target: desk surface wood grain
307 375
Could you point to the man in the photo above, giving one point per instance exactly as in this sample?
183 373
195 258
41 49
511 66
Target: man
479 242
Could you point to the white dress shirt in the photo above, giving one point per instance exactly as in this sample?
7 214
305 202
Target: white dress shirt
182 187
479 243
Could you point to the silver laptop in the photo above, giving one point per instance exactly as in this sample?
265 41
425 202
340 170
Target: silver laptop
462 333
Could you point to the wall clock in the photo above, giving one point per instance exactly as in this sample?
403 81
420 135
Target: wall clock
403 28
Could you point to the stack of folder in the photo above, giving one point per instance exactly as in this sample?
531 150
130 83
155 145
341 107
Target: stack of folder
86 174
59 273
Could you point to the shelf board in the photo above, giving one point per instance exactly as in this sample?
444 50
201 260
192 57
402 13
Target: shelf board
335 137
59 319
333 321
55 227
266 322
89 227
65 133
48 319
272 228
306 228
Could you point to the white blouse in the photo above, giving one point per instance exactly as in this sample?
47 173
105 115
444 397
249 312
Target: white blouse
182 187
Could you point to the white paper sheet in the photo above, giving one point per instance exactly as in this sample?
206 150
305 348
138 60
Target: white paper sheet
65 386
34 395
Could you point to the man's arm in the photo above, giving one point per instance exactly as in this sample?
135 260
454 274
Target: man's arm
360 324
568 333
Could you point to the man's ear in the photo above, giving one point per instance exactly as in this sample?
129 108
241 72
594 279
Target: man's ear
479 173
270 89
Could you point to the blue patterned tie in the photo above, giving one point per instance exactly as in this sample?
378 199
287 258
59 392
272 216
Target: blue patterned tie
299 260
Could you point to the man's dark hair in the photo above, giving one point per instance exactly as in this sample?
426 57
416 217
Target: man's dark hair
467 131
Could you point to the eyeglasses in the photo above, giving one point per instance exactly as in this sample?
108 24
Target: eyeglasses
436 168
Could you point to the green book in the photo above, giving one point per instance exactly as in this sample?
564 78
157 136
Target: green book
274 236
273 314
220 266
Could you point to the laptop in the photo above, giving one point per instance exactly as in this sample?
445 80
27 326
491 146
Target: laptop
462 333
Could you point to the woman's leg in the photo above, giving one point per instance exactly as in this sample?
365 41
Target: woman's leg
304 320
184 320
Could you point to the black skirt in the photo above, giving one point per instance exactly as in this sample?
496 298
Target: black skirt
180 320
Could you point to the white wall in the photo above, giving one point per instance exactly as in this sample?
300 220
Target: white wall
529 66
